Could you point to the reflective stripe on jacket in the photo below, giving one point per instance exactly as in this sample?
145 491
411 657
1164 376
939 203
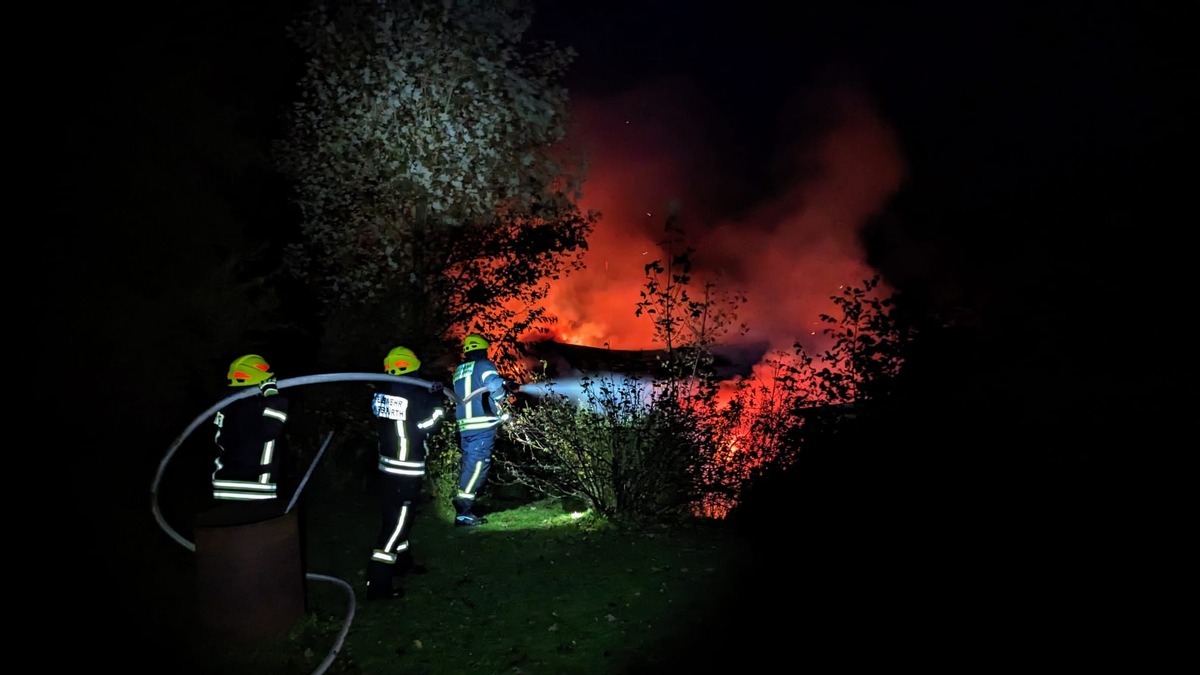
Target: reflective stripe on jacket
482 411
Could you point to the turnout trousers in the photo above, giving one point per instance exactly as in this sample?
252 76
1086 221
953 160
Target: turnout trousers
473 470
391 555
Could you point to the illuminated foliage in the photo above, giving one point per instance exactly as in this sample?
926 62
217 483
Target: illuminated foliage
688 444
624 451
637 451
425 153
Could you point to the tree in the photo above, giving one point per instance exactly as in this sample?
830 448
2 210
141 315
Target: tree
435 192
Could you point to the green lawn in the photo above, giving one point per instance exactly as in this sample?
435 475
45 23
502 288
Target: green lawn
538 589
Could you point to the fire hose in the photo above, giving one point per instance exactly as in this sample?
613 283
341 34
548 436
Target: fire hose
282 384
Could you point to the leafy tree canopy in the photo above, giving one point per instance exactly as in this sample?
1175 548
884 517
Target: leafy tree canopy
420 125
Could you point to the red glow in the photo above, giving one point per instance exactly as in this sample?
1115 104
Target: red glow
648 148
789 252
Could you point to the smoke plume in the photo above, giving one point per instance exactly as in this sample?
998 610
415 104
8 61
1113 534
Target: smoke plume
781 227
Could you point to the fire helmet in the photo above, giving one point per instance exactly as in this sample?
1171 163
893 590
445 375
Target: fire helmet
249 369
400 360
474 341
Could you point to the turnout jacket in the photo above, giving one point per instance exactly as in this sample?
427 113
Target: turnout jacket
249 439
483 411
408 414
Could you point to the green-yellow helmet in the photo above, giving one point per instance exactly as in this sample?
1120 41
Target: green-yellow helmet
474 341
400 360
249 369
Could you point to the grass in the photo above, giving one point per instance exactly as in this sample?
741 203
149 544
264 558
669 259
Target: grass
541 588
860 578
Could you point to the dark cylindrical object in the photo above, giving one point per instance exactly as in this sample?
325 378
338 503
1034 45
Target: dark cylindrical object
249 571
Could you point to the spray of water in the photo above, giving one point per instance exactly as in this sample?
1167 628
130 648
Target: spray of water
600 391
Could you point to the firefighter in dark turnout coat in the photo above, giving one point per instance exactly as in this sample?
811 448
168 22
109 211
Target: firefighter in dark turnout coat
249 436
477 420
408 414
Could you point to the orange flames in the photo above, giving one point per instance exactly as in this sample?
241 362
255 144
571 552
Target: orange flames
789 251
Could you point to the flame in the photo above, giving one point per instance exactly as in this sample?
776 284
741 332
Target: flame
789 251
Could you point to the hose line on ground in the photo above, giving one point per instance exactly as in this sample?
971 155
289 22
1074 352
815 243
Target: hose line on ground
253 391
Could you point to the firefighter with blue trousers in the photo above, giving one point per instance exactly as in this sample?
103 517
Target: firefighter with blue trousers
477 420
249 436
408 414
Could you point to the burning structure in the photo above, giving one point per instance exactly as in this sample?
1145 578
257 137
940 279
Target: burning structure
564 369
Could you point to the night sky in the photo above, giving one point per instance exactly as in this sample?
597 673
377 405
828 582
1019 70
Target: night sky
1024 158
987 150
978 148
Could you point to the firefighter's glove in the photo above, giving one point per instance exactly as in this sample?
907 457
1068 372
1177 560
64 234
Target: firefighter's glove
435 387
268 387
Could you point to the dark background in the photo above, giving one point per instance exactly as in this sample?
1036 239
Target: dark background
1046 150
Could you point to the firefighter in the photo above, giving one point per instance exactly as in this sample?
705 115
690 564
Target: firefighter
408 414
477 420
250 436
